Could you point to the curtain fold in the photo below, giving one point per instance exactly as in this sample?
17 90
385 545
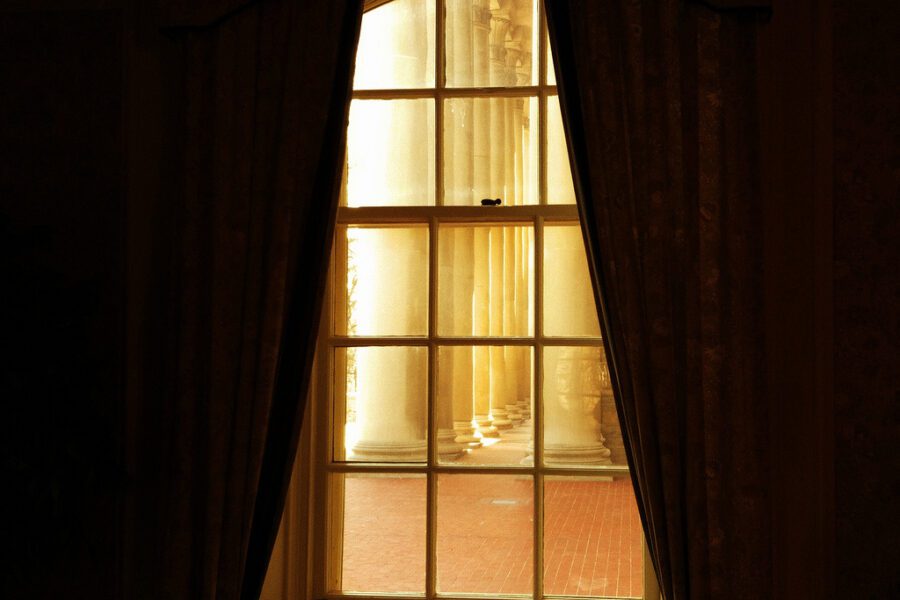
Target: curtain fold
262 106
660 111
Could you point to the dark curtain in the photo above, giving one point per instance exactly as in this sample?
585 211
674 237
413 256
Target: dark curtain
260 95
660 108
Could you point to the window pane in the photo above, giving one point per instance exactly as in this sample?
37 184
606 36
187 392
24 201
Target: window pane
560 188
490 44
490 150
484 405
551 70
485 276
592 538
380 404
484 534
580 424
383 281
396 46
381 533
569 308
390 153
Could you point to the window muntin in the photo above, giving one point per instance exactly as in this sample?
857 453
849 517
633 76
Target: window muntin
543 374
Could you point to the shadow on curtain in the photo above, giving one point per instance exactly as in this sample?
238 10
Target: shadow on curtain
659 103
262 91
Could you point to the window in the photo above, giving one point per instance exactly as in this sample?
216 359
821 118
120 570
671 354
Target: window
467 441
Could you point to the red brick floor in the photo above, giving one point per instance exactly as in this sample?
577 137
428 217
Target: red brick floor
592 535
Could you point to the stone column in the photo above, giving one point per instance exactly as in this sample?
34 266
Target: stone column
572 389
448 447
481 355
499 390
500 186
391 381
573 376
523 307
455 373
481 167
511 326
451 372
459 150
463 380
391 406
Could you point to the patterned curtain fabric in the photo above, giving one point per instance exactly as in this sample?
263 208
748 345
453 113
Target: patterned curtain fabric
262 99
659 104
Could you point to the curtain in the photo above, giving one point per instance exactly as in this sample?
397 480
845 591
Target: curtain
260 96
659 106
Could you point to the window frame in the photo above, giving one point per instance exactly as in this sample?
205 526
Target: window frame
319 513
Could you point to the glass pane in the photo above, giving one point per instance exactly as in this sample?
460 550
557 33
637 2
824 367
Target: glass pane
580 424
484 405
485 277
560 188
390 153
484 534
380 404
490 150
381 532
382 281
569 308
490 43
396 46
551 70
592 538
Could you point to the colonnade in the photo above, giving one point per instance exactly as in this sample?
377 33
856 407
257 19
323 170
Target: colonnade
485 273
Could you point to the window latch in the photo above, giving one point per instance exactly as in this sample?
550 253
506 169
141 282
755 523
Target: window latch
489 202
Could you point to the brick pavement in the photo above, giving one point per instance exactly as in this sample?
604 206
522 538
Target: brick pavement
592 535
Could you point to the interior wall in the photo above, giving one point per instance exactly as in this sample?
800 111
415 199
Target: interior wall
62 210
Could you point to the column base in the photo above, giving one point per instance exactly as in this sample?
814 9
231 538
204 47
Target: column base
525 408
486 426
501 419
377 451
447 446
588 454
514 414
466 434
